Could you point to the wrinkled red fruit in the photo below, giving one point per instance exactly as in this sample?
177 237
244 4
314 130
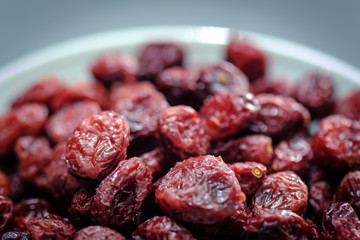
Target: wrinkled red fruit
227 114
155 57
349 190
119 199
61 184
250 175
26 210
349 106
200 190
281 191
41 92
336 143
141 105
233 226
182 132
110 68
98 233
80 91
98 143
320 197
50 227
340 222
15 236
315 91
157 163
253 148
79 210
161 228
278 86
279 225
279 115
180 86
34 154
6 212
62 123
222 77
245 55
294 154
4 184
9 132
31 118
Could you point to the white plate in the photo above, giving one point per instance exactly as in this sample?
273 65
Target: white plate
71 59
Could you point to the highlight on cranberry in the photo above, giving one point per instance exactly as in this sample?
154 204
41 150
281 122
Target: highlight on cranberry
152 147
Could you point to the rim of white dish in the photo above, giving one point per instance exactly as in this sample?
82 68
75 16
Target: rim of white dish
191 34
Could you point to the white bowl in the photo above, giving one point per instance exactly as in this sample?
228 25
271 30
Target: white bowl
71 59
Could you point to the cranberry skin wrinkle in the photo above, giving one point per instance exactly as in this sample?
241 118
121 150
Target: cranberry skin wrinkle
349 190
119 199
161 228
183 133
50 227
98 233
15 236
245 55
281 191
6 212
227 114
200 190
340 222
98 143
79 210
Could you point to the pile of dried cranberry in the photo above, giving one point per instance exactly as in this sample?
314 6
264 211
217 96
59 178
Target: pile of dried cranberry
153 150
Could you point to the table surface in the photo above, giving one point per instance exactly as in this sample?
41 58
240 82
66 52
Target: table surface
329 26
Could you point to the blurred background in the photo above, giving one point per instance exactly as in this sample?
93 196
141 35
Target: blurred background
329 26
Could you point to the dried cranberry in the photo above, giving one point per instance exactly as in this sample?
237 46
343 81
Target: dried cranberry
349 106
31 118
6 212
81 91
200 190
245 55
140 105
79 210
180 86
278 86
119 199
98 233
222 77
4 185
349 190
320 197
315 91
336 143
157 163
26 210
278 115
15 236
233 227
249 175
50 227
161 228
294 154
155 57
182 132
34 154
62 123
227 114
110 68
279 225
340 222
60 182
253 148
98 143
281 191
41 92
9 132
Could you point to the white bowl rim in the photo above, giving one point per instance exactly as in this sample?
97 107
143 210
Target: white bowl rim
87 42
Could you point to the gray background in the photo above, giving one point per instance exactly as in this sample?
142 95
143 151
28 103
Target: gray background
330 26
